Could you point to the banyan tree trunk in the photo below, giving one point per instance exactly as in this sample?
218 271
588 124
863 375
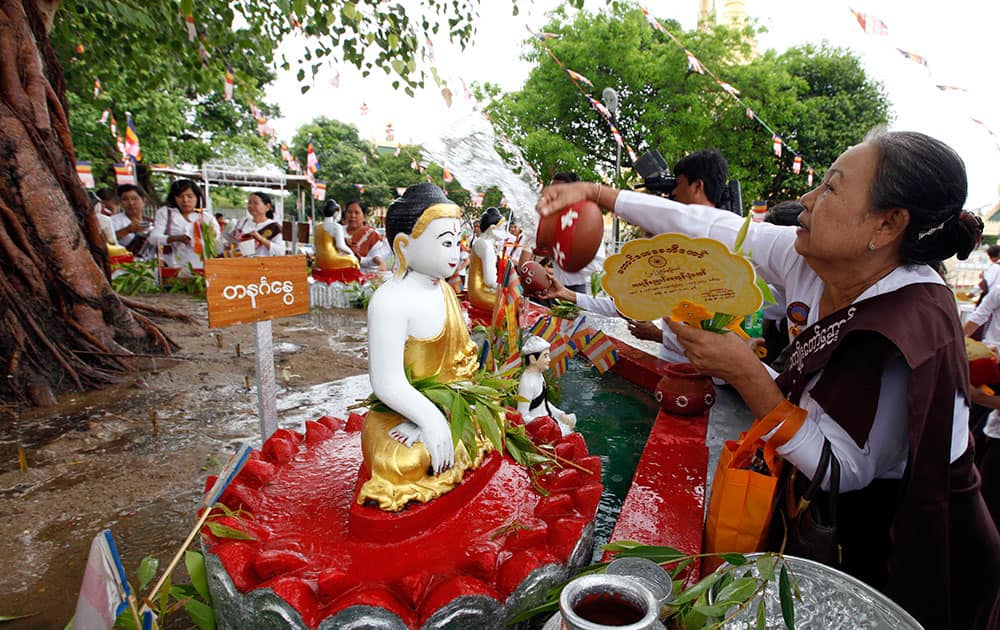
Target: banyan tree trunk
61 325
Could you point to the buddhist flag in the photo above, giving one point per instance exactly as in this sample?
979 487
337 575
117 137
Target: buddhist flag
950 88
97 88
104 116
228 472
617 136
913 57
546 327
312 163
360 188
693 64
600 107
189 24
86 175
728 88
601 352
105 591
750 114
132 139
560 351
399 149
510 366
286 155
113 125
319 191
414 165
447 176
758 209
576 76
776 144
230 83
870 24
809 177
797 165
652 21
123 175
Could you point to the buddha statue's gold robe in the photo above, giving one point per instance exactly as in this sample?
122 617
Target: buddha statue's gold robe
480 295
327 254
399 473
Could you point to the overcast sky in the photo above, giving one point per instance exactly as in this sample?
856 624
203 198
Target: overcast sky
957 38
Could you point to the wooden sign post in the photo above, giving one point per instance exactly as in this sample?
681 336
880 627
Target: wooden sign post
256 290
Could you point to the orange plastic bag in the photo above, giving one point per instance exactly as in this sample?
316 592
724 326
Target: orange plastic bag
742 500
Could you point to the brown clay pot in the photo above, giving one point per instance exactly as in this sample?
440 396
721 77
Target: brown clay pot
684 391
579 234
545 236
533 277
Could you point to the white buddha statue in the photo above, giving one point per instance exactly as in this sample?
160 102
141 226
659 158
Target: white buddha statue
415 322
332 251
532 388
483 262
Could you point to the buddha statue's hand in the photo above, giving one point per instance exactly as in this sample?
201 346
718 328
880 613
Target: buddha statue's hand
569 419
436 436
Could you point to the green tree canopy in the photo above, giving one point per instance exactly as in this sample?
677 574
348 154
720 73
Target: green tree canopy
818 99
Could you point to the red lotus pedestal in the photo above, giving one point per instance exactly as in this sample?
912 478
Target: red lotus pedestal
320 560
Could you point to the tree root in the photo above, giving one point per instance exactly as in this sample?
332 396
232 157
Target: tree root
135 305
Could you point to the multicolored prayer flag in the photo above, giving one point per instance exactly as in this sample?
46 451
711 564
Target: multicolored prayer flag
230 84
600 107
132 139
750 114
312 162
652 21
123 175
776 144
399 149
560 352
950 88
693 64
86 174
113 126
870 24
97 88
191 30
546 327
510 366
809 177
105 592
104 116
360 188
797 165
576 76
319 191
757 211
601 352
447 176
913 57
728 88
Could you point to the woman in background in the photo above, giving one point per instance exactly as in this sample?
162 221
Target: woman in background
181 226
259 227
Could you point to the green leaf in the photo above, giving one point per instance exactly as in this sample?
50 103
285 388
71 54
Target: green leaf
765 566
147 571
195 563
489 426
742 234
200 614
224 531
785 597
187 7
125 621
698 589
735 559
761 614
15 617
738 590
765 291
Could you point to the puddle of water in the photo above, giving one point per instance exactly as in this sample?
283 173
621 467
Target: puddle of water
615 417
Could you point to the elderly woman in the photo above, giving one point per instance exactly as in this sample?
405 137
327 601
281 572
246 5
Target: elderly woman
366 243
259 229
878 363
180 227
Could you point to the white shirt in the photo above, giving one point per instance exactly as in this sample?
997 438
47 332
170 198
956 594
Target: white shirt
120 221
571 278
277 246
986 308
773 248
991 274
182 254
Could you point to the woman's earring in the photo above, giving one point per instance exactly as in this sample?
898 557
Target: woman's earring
871 245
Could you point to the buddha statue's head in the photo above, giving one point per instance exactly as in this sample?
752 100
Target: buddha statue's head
490 218
424 229
331 210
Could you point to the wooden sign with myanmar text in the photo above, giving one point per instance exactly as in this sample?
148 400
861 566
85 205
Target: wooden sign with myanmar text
652 275
244 290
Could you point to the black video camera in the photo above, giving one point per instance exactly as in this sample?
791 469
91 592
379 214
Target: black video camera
658 180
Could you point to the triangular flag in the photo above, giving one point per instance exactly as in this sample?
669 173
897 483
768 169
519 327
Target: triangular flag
576 76
230 83
797 165
693 64
105 591
132 139
725 86
776 144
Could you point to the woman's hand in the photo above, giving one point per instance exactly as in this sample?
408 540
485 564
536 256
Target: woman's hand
179 238
647 331
556 290
726 355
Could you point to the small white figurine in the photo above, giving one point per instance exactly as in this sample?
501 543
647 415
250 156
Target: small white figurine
532 387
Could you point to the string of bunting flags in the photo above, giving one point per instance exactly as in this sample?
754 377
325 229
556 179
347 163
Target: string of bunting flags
696 66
